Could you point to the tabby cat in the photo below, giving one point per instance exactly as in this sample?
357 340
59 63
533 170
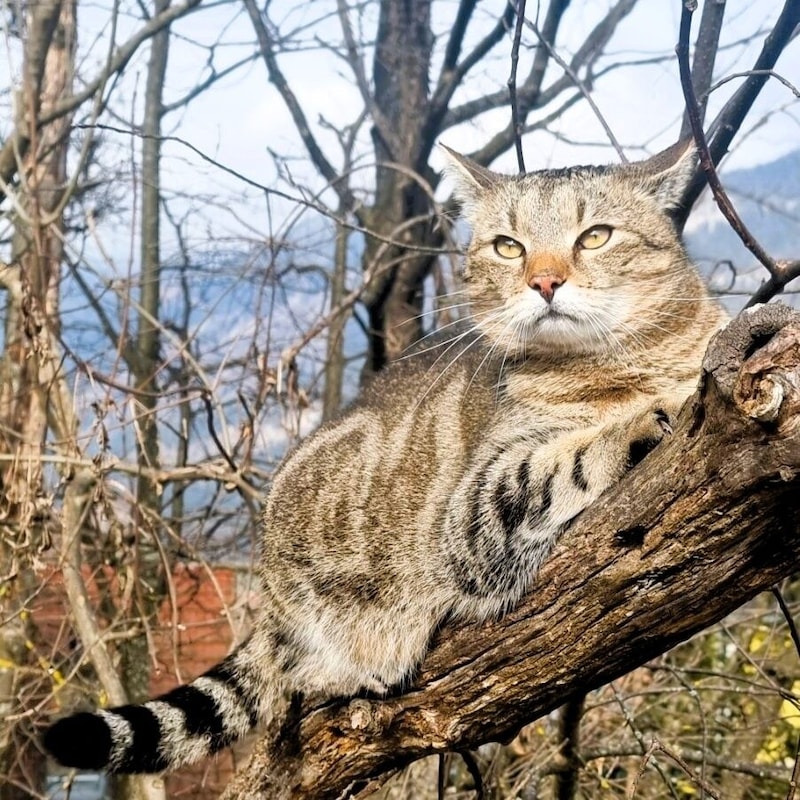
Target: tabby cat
444 488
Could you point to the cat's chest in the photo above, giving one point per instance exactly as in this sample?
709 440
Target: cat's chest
577 396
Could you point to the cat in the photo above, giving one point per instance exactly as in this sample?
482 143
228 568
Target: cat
443 489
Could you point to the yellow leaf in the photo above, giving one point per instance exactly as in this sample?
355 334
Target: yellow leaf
686 787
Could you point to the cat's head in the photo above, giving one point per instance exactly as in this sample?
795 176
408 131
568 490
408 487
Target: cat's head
574 260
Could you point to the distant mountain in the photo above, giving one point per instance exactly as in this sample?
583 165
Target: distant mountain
767 198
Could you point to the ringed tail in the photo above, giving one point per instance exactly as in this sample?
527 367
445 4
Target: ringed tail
177 728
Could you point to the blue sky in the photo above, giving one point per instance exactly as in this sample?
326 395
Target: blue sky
241 119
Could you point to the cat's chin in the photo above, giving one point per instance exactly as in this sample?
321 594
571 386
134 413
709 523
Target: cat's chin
557 333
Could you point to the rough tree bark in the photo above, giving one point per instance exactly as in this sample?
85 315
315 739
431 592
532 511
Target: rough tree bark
707 521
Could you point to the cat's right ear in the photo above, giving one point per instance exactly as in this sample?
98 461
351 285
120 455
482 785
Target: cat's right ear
670 172
470 178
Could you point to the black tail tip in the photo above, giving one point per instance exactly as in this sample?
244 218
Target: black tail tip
82 741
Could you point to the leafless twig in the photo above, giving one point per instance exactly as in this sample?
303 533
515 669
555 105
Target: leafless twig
787 615
795 779
512 85
298 201
656 746
582 88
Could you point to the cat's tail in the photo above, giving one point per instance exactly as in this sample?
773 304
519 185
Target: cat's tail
180 727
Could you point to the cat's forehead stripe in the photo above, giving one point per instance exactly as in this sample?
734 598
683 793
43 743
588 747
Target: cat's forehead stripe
512 216
580 207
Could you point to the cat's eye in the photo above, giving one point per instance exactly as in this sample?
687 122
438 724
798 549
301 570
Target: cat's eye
594 237
506 247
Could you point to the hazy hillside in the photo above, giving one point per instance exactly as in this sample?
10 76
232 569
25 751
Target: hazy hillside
767 198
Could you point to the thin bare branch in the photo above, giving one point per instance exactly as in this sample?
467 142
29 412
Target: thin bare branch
529 92
450 78
295 199
769 72
705 54
357 66
729 120
583 89
266 45
794 781
456 38
516 122
658 746
77 503
787 615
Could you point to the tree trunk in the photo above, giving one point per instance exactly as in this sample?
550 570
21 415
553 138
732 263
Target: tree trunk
144 362
400 71
707 521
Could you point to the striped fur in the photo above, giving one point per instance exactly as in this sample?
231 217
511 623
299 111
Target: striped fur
445 487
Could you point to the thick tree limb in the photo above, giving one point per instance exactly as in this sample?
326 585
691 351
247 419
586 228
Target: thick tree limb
708 520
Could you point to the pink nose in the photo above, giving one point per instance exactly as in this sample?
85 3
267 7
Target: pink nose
546 285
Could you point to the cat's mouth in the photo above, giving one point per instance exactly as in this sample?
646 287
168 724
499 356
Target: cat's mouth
550 313
562 330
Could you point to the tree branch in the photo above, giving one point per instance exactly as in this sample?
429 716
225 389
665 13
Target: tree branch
278 79
16 145
532 86
456 39
629 580
583 89
359 72
531 95
516 122
77 503
705 54
451 77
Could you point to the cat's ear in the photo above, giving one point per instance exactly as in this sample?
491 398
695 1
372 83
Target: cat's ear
470 178
667 174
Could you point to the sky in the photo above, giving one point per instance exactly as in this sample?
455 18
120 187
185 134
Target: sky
241 119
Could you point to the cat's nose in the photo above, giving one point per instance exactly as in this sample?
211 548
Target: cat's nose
546 285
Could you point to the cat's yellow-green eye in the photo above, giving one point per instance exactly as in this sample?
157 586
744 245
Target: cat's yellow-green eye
594 237
506 247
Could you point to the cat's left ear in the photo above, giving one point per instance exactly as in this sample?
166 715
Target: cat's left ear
667 174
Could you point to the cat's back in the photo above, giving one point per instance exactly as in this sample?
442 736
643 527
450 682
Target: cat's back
368 480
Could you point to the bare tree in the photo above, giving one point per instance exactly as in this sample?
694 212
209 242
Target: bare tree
33 399
138 430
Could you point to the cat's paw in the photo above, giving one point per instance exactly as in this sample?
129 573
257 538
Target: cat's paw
649 427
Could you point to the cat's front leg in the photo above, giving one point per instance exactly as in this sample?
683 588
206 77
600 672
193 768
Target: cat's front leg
509 509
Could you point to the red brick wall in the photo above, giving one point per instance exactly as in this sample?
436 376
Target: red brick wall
194 632
201 638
